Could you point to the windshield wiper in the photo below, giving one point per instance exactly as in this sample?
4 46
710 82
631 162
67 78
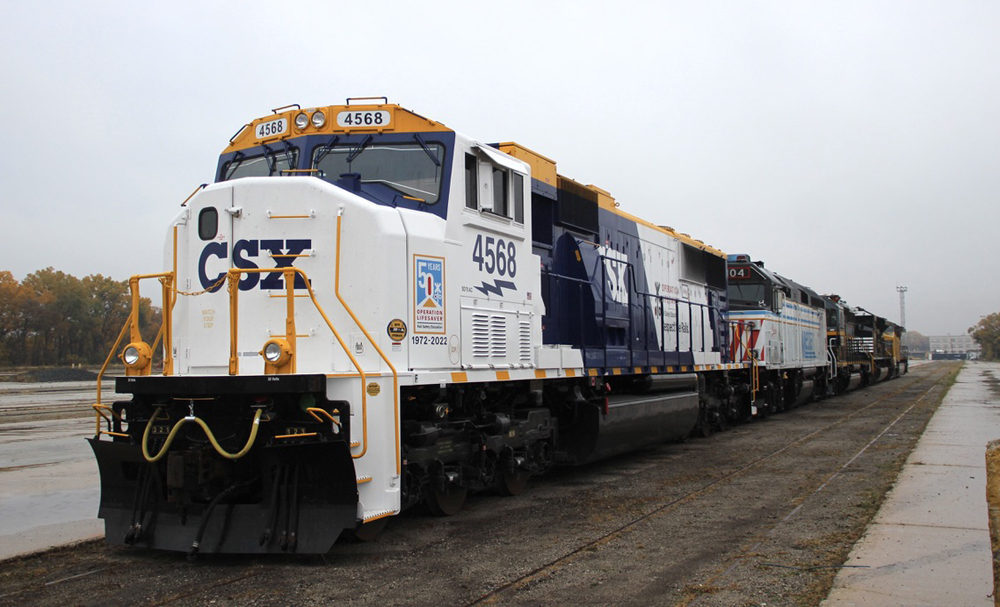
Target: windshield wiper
268 153
233 165
326 149
361 148
272 157
432 155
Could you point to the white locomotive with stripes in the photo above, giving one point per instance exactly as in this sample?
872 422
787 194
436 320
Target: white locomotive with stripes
367 311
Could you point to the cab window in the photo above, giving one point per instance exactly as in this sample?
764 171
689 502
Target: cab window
208 223
471 182
412 169
500 191
261 165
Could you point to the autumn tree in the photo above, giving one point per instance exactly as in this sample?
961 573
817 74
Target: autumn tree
53 318
987 335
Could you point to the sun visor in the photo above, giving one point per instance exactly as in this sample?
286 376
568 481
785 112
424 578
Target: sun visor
502 159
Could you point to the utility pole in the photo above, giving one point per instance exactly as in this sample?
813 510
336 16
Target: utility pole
902 306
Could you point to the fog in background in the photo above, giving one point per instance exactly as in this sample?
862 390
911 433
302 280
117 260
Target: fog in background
852 146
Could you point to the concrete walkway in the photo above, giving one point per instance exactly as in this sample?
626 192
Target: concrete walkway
930 542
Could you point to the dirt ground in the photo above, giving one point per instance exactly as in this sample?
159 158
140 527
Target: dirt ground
993 498
764 513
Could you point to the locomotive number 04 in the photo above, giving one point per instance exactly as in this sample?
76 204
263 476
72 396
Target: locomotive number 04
495 255
739 273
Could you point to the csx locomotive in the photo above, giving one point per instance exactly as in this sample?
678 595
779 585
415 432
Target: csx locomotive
367 311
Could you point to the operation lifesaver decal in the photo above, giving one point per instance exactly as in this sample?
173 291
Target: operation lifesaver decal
428 294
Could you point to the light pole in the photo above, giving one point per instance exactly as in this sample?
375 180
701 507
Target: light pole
902 306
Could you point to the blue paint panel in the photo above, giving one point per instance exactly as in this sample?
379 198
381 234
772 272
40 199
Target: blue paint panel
602 307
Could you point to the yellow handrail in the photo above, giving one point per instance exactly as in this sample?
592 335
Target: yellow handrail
104 367
289 273
131 326
313 411
208 432
395 375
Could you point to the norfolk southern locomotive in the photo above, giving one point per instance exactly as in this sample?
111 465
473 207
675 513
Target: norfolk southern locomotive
368 311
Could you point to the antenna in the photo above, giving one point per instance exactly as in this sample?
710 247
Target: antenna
902 306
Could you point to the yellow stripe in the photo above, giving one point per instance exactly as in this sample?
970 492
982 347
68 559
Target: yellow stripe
539 374
616 371
592 372
570 372
638 369
459 377
503 375
655 369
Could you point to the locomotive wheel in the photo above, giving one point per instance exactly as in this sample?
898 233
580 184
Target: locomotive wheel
512 483
367 532
720 421
446 503
704 427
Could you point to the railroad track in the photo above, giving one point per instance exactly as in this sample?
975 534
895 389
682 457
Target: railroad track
550 545
55 411
930 383
49 401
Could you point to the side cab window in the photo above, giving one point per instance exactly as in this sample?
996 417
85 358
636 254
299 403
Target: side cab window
494 189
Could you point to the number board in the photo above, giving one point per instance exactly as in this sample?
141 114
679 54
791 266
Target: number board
364 119
273 128
740 273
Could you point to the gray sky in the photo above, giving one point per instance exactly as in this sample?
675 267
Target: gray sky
852 145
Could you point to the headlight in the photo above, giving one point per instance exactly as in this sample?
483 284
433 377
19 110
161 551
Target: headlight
277 352
301 120
318 119
137 355
272 352
131 355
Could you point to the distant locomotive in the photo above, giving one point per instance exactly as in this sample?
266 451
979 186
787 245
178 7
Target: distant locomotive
368 310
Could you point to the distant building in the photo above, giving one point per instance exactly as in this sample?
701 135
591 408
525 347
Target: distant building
954 344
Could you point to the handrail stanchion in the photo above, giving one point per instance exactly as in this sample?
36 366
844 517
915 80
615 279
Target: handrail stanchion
234 293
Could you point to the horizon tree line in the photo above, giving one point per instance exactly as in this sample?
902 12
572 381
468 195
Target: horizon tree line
53 319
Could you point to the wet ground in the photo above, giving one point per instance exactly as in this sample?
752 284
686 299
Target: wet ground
764 513
47 470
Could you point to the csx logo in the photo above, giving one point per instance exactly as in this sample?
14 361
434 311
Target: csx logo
616 274
282 252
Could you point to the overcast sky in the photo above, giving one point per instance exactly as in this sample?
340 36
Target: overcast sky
853 146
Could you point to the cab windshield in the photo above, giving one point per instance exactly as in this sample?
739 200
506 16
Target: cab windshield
412 169
751 295
264 165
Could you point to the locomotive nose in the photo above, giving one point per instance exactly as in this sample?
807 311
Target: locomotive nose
283 498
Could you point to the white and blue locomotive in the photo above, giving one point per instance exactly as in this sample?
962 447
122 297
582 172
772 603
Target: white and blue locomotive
368 310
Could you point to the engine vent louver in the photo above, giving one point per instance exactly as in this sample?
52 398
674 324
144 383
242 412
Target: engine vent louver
524 341
489 335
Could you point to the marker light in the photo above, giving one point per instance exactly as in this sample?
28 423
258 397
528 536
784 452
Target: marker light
301 120
318 119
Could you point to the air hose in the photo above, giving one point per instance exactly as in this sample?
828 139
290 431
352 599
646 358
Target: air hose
208 433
